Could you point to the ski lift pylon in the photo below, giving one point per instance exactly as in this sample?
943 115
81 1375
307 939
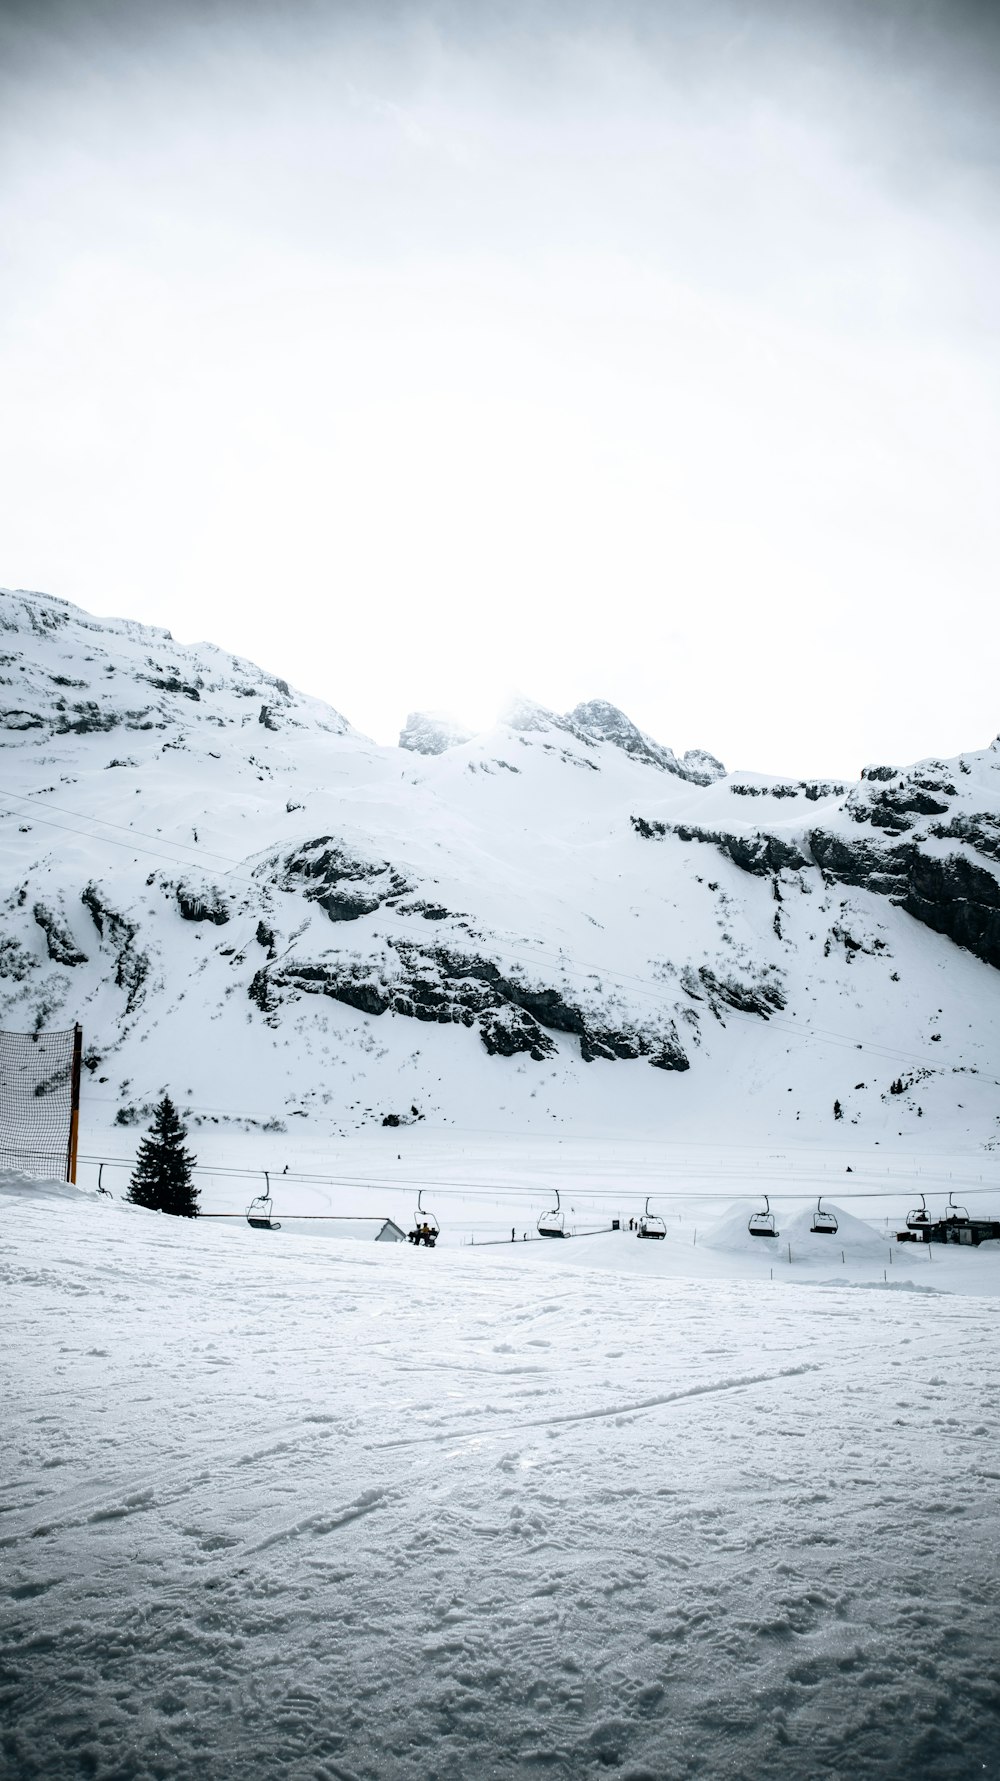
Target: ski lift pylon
650 1224
553 1224
824 1224
761 1224
259 1210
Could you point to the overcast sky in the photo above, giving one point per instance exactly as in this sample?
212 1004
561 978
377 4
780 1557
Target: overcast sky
430 353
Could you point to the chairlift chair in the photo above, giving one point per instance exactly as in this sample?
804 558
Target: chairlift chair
918 1218
761 1224
259 1210
650 1224
824 1224
553 1224
956 1214
426 1228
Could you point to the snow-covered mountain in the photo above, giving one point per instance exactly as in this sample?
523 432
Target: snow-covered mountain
245 900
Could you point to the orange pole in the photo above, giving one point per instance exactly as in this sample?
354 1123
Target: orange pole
74 1117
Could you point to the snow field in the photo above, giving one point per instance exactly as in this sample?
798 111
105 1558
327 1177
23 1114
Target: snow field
342 1510
483 1185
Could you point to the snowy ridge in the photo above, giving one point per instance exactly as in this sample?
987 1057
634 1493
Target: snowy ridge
505 932
424 733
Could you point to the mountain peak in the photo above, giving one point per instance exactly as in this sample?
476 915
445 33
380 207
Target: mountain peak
425 732
604 722
526 714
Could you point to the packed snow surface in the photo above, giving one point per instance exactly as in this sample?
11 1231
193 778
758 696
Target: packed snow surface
293 1507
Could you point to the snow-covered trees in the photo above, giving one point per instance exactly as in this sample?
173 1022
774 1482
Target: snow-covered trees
162 1178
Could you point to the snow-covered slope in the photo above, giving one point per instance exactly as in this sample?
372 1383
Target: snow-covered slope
298 1507
247 901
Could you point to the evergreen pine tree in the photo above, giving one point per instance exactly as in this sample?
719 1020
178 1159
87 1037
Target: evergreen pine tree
162 1178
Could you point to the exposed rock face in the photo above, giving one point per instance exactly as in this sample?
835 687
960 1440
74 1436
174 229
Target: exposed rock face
814 790
530 718
597 721
893 801
951 894
443 985
132 964
701 767
755 852
604 722
980 829
201 902
344 887
165 685
760 993
62 948
423 733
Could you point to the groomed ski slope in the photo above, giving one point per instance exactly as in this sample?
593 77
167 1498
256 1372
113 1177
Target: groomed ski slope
301 1507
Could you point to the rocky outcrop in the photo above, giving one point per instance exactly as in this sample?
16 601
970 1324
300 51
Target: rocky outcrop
344 886
895 801
978 830
132 965
423 733
951 894
443 985
201 902
528 717
756 852
811 789
16 962
701 767
13 718
603 722
758 992
173 683
62 948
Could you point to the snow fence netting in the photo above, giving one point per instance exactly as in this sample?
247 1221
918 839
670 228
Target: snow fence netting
36 1102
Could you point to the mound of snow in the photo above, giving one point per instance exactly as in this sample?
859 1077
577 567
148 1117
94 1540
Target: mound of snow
16 1186
731 1234
853 1236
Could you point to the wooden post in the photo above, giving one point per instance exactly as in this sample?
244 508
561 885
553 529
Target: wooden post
74 1117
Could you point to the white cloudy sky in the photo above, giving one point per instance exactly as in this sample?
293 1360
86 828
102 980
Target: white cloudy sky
427 352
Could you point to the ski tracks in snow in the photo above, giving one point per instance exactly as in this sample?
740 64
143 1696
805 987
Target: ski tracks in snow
620 1411
360 1518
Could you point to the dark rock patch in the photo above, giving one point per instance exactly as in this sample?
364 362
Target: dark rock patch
758 853
598 721
62 948
443 986
201 903
345 887
132 966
